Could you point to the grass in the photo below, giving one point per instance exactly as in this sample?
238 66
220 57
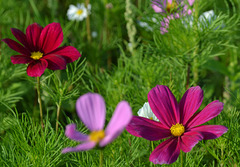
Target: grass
205 54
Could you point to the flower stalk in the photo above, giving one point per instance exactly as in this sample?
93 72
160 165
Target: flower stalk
40 101
58 113
88 23
101 158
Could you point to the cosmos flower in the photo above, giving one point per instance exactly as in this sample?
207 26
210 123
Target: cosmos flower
174 9
40 49
78 12
178 123
146 112
91 110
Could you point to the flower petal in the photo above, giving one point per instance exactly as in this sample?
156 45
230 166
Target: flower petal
208 113
51 37
21 59
147 128
37 68
164 105
191 2
81 147
16 46
166 153
33 32
55 62
189 140
190 102
21 37
73 134
69 53
120 119
91 110
210 131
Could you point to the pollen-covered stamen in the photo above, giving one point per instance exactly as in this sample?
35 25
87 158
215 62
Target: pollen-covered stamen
171 6
97 136
177 130
79 11
36 55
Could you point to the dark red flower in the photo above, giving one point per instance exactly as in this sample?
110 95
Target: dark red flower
40 49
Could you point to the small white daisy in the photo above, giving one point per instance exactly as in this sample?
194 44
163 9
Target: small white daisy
78 12
146 112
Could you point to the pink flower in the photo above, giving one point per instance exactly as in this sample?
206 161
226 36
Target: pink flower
174 9
39 49
91 110
178 123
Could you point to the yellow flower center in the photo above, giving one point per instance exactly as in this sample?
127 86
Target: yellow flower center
171 6
80 11
36 55
97 136
151 118
177 130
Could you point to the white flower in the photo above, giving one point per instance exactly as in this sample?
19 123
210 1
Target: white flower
78 12
146 112
94 34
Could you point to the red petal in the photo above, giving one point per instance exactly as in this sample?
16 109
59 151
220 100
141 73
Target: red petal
211 131
190 103
148 129
166 153
16 46
55 62
189 140
21 37
21 59
164 105
37 68
51 37
209 112
33 35
69 53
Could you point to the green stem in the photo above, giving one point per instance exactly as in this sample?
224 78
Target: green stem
101 158
58 113
39 101
88 22
151 143
181 152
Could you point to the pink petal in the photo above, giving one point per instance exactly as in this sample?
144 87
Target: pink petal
209 112
191 2
157 9
81 147
73 134
21 37
33 32
69 53
16 46
166 153
210 131
164 105
21 59
190 103
55 62
120 119
148 129
91 110
37 68
189 140
51 37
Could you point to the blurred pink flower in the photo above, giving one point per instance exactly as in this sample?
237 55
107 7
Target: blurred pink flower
92 111
178 123
39 48
174 9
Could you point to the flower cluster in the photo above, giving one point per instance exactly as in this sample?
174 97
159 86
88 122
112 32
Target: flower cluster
173 9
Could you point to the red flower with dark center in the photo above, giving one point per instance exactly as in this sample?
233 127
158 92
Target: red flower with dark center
40 49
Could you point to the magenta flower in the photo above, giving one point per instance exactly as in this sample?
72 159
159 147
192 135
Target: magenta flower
39 49
178 123
91 110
